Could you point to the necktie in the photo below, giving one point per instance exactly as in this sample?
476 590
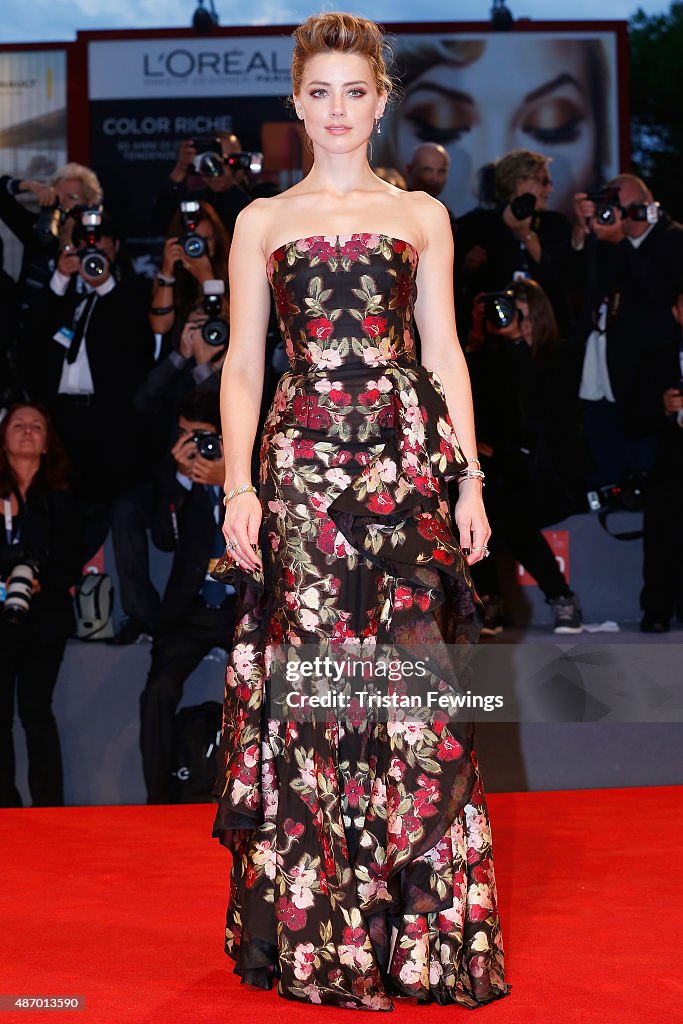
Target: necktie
214 593
79 329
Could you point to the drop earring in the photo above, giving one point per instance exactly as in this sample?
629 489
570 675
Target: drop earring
378 127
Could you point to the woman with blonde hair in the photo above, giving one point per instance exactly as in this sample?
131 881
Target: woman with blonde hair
361 847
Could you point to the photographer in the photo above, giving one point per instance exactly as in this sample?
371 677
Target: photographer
196 365
196 251
661 410
520 237
39 561
42 234
90 349
197 614
222 185
524 382
632 256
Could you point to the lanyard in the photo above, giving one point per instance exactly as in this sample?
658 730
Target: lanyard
9 531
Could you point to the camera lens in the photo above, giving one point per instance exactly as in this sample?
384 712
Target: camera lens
499 309
215 332
194 246
19 593
94 265
209 164
208 446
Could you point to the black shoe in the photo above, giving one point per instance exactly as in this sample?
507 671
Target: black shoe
654 624
567 614
493 617
132 632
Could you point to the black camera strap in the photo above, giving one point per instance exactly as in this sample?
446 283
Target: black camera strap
622 535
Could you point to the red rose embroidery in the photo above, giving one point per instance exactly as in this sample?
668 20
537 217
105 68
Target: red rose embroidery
291 916
282 303
318 419
304 449
321 250
354 936
402 292
443 556
339 397
353 791
449 749
293 828
399 245
374 326
320 327
382 503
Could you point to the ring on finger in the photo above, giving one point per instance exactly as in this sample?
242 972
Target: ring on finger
231 545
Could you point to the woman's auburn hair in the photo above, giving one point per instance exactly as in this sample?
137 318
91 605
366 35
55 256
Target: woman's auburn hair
55 470
338 32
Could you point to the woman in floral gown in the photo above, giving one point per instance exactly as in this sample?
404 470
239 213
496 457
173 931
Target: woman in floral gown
361 849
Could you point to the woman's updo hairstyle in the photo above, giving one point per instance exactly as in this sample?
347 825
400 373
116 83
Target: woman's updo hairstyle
337 32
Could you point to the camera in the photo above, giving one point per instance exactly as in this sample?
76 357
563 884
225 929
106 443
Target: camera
627 496
499 308
215 330
208 444
50 220
608 209
19 591
210 160
193 244
94 262
644 212
522 207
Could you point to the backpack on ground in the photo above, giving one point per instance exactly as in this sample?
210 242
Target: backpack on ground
94 600
196 764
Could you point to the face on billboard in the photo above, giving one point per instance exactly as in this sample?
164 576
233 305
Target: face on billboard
481 98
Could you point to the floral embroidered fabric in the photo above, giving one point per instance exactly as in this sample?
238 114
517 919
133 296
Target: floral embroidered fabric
361 849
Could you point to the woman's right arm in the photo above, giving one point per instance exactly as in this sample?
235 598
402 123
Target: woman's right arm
242 377
162 301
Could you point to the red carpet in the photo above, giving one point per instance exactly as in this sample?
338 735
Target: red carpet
125 906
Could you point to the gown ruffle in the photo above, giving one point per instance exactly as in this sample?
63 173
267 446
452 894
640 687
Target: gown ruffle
362 861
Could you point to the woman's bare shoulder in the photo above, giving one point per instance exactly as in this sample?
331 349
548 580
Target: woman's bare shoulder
263 219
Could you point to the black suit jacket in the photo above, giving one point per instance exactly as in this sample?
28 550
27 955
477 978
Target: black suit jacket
504 256
640 285
50 533
119 343
184 523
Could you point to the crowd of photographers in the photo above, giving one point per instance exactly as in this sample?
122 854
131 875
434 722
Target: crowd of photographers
572 333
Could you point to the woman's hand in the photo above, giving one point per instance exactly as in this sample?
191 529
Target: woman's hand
191 332
200 267
69 261
207 471
243 515
173 253
470 518
45 194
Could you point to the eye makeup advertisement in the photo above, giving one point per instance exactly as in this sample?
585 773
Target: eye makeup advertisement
481 95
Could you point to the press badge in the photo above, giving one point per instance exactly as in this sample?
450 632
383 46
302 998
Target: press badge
64 336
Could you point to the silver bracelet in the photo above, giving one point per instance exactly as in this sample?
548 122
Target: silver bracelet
471 474
167 281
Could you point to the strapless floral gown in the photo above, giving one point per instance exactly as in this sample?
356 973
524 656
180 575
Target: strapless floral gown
361 850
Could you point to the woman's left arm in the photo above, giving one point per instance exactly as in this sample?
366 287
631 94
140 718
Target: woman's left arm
442 353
